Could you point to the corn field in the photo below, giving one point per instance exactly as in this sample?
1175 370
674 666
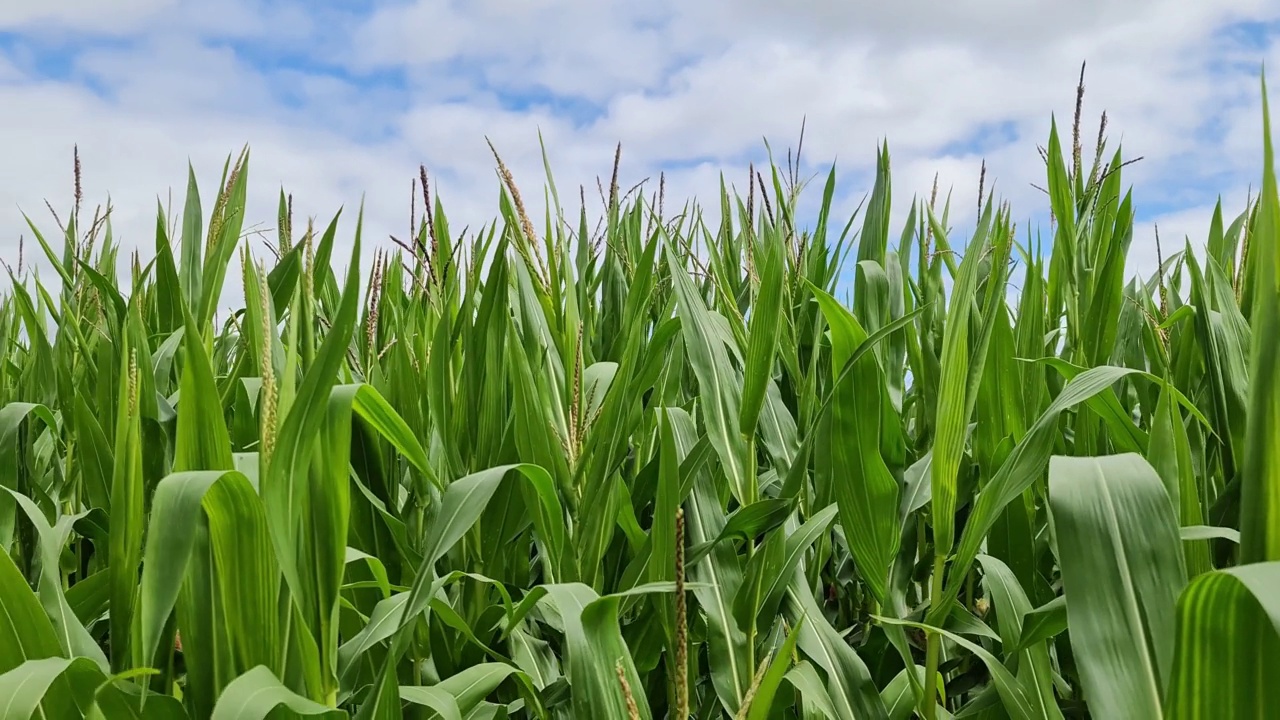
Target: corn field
651 468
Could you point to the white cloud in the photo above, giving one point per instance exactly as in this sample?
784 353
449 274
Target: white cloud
88 15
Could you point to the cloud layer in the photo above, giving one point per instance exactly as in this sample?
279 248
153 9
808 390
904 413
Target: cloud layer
342 101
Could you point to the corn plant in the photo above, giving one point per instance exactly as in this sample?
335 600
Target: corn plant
654 468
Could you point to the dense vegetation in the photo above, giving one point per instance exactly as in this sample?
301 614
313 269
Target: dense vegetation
651 469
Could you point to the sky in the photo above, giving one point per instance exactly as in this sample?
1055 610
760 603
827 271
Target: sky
341 101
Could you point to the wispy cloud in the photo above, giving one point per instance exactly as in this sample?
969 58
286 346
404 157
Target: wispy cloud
341 101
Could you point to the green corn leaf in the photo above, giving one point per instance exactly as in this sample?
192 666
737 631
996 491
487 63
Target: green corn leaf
1034 666
1260 490
127 512
762 704
191 270
1122 572
849 685
306 495
441 703
720 576
28 635
202 441
596 647
1169 452
865 492
719 384
258 694
954 405
73 638
1228 636
124 700
1024 465
762 333
466 689
49 688
1011 693
12 419
815 701
770 573
211 521
1044 622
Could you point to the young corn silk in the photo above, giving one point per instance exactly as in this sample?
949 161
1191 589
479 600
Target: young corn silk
657 469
